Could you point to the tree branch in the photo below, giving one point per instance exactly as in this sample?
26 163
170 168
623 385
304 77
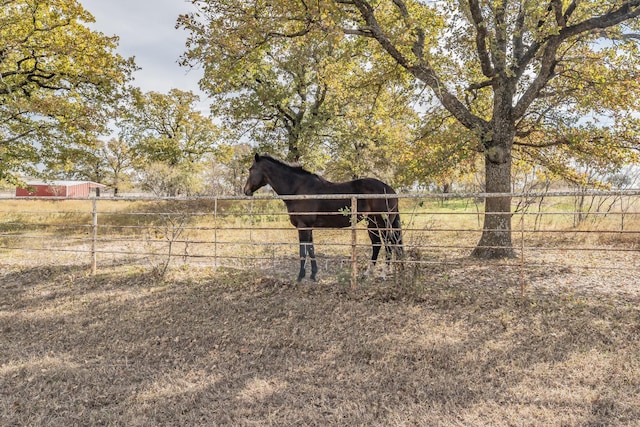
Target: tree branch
499 55
423 70
481 38
626 11
557 10
570 9
402 8
560 141
548 61
518 34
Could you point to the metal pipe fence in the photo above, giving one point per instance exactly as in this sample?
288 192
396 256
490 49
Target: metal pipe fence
553 231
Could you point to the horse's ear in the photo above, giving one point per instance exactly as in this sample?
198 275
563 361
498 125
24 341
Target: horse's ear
257 157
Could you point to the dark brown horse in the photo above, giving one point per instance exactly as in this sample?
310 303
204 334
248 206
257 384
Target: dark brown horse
381 214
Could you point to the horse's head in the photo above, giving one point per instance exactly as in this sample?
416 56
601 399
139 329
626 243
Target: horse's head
257 178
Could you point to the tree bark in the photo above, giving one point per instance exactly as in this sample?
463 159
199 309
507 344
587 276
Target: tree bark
495 242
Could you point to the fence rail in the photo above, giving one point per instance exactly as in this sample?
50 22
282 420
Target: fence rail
594 231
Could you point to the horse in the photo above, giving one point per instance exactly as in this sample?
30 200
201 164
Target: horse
381 214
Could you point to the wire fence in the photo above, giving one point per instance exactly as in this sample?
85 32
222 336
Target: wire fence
584 238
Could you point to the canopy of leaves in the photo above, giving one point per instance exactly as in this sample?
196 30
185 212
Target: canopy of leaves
169 140
538 80
303 91
542 78
167 128
56 80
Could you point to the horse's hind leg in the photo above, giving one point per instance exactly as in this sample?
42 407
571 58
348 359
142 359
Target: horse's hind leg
304 242
306 249
387 238
376 244
314 265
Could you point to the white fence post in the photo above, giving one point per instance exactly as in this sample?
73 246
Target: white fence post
354 241
215 233
522 275
94 235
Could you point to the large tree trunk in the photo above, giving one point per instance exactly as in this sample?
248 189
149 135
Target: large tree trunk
495 242
293 147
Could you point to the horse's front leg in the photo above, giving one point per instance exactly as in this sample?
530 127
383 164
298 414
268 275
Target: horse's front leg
306 249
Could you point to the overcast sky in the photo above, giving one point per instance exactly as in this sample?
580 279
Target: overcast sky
147 31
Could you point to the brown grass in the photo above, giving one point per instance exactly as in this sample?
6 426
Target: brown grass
446 341
452 346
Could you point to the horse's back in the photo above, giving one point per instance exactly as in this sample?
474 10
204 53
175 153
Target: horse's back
372 186
376 205
357 186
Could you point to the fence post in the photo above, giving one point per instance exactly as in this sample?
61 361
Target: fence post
215 233
622 213
522 280
354 242
94 234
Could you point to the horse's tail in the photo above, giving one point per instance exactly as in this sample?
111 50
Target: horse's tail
395 236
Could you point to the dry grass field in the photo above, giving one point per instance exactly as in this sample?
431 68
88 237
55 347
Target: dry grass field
447 341
225 347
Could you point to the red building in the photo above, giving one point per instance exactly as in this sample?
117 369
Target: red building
68 189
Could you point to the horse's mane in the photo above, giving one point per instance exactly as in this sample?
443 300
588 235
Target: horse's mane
294 167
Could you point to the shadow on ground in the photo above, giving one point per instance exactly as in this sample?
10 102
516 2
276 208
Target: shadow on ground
231 348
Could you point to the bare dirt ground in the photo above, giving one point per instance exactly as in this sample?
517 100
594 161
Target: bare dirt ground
439 345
